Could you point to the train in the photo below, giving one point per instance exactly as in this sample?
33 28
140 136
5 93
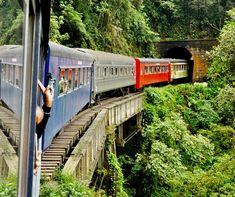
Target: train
81 76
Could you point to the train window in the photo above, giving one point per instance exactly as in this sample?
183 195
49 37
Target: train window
61 83
84 76
70 79
11 79
164 68
105 71
3 72
154 69
13 74
146 68
124 71
115 71
66 77
7 73
20 76
151 69
128 71
133 72
111 71
87 76
81 77
121 71
158 69
75 78
17 76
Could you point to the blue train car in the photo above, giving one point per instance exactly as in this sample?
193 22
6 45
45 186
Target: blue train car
72 70
11 76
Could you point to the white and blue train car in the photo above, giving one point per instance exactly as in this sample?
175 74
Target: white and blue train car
112 72
72 71
11 76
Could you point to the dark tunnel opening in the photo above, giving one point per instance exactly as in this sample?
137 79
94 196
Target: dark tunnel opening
181 53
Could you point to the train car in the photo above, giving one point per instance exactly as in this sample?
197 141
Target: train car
179 69
72 72
112 72
151 71
11 76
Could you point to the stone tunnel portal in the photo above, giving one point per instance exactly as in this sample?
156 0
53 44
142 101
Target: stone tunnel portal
181 53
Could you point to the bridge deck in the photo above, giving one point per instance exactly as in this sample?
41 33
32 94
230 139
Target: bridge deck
63 145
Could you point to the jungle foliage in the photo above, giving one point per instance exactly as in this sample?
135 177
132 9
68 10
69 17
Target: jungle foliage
129 27
187 144
222 69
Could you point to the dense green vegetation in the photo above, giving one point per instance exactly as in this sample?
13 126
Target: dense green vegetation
125 26
188 137
185 144
222 69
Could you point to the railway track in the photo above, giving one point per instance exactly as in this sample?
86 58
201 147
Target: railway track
10 125
58 152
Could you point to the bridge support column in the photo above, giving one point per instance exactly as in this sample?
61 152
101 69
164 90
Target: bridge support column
119 139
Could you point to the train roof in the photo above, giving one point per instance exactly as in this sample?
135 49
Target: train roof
152 60
109 58
172 60
162 60
11 54
9 50
63 51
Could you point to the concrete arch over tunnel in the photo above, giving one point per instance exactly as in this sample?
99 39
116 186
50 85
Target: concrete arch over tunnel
178 53
181 53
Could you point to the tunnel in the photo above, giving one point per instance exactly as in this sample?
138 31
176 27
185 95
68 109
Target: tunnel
181 53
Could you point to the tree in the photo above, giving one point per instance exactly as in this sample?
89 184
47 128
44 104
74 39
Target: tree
223 56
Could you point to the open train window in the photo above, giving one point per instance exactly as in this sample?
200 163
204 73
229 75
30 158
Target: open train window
80 76
111 71
85 76
146 69
105 73
154 69
120 71
158 69
17 76
75 78
3 72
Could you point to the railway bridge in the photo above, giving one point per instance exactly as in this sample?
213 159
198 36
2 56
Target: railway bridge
192 50
80 145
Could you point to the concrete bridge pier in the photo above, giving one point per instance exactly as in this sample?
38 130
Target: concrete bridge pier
127 130
111 124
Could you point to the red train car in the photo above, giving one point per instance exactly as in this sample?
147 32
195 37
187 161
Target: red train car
151 71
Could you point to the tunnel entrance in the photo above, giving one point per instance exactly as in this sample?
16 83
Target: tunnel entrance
181 53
